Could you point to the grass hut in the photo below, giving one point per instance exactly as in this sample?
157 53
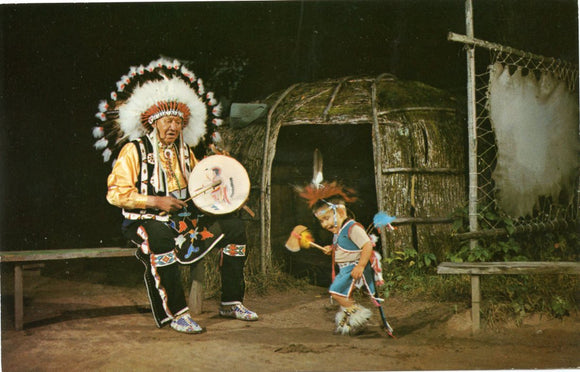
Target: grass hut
400 144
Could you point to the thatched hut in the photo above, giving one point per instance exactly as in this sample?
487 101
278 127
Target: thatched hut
400 144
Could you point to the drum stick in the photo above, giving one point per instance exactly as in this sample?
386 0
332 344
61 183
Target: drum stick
312 244
215 183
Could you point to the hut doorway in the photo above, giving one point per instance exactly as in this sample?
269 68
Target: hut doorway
347 152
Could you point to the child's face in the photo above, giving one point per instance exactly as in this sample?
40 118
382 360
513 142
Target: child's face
325 216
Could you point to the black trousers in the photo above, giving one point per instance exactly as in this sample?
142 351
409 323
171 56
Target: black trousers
158 247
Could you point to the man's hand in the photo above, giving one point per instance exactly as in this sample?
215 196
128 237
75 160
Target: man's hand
166 203
357 272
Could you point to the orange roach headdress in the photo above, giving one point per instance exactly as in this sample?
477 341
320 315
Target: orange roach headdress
325 191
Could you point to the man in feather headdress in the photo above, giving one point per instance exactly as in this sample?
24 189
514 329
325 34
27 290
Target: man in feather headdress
157 115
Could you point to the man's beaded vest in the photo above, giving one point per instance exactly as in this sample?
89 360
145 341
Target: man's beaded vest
147 162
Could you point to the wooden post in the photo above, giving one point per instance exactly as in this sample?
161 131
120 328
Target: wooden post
270 138
377 158
471 124
475 300
195 301
18 297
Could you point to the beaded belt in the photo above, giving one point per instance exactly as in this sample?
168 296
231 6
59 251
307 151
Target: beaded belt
345 264
145 216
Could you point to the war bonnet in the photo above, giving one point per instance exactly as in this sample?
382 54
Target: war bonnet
147 93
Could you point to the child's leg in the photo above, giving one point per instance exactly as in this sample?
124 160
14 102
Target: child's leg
342 301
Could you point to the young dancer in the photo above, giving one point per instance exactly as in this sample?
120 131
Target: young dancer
352 250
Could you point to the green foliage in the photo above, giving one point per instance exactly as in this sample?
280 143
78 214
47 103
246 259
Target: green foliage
413 260
412 274
542 246
516 296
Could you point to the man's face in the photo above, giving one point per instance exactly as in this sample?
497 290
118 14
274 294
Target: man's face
168 128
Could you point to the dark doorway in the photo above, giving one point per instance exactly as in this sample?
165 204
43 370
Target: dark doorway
348 158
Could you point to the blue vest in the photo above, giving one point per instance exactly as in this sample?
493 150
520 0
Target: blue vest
343 240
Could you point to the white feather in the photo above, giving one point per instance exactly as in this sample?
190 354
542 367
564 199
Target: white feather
101 144
188 73
200 87
98 132
217 110
101 116
107 155
121 85
103 106
164 62
317 176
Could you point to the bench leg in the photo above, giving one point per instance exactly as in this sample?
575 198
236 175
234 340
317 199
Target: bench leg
196 291
18 298
475 300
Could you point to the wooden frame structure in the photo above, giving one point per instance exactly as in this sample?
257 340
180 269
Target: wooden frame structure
476 269
20 258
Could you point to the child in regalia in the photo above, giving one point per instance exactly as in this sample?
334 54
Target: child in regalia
352 250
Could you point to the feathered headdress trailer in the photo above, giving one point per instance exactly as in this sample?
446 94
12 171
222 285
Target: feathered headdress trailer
319 194
147 93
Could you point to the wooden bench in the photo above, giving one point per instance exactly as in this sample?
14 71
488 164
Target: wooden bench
475 269
19 258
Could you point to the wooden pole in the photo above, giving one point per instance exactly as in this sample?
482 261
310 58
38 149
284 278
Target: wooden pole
475 300
471 125
18 297
267 159
195 301
472 159
547 61
521 229
377 151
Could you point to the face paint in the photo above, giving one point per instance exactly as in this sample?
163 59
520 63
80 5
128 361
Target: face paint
331 216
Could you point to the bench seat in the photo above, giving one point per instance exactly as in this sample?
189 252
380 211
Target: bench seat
475 269
18 258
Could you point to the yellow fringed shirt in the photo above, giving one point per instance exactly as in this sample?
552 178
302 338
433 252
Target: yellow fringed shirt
122 191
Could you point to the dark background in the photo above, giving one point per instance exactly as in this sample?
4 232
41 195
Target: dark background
59 60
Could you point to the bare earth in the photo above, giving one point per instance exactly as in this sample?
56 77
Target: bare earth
90 326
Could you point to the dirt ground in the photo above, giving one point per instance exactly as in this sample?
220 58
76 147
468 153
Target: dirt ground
90 323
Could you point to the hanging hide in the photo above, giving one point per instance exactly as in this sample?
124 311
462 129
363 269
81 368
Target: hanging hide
536 127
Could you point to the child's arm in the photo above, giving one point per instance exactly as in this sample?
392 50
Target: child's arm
365 256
